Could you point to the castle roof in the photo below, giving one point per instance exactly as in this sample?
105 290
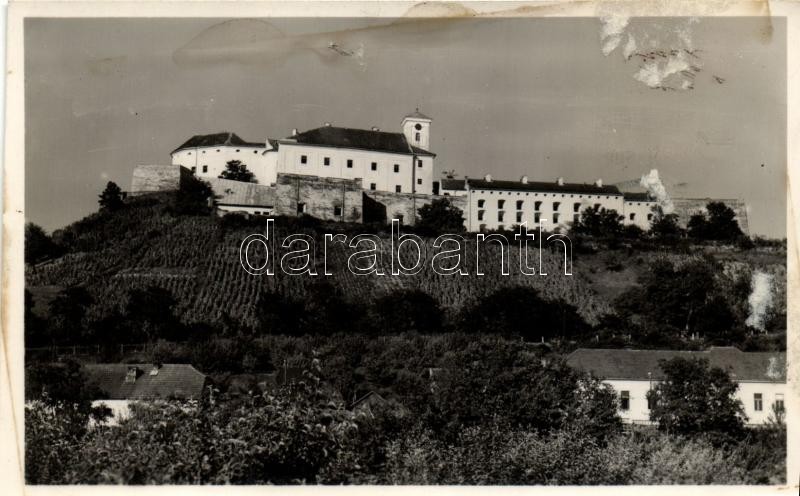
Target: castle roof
417 115
224 138
636 364
171 381
458 185
242 194
360 139
641 197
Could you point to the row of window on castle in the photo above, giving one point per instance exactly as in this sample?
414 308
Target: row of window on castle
758 402
326 161
536 216
537 205
576 207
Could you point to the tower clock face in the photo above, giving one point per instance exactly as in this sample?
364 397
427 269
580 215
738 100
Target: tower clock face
417 126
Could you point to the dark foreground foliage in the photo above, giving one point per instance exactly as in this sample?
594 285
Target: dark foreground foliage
489 411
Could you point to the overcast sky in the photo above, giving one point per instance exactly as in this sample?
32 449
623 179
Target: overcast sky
541 97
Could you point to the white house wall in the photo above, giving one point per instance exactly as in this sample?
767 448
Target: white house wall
211 161
120 409
769 392
527 211
223 209
641 212
639 413
384 178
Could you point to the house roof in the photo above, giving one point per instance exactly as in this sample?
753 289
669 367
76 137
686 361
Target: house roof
636 364
361 139
230 192
367 400
224 138
419 151
172 381
458 185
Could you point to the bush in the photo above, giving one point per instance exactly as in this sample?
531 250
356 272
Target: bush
440 217
677 461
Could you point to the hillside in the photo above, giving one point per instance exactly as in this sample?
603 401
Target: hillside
196 258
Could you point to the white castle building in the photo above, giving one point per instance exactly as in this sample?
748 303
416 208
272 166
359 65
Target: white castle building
493 204
396 170
384 161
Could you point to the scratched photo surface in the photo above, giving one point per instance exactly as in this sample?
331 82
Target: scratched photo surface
473 251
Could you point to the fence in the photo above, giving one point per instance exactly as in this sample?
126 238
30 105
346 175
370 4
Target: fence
56 352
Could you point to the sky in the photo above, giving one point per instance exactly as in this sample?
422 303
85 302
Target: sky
703 100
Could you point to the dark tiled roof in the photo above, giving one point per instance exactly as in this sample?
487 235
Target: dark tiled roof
369 399
458 184
453 184
217 139
172 381
642 197
635 364
420 151
417 115
362 139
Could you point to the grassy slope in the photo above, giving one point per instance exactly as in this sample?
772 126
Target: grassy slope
197 259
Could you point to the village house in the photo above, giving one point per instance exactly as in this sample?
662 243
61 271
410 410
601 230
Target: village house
123 384
761 377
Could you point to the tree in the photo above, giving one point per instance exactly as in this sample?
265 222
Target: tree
111 197
496 379
521 311
695 399
67 312
599 222
674 300
35 328
38 245
719 225
150 313
194 197
408 310
235 170
665 227
697 227
440 217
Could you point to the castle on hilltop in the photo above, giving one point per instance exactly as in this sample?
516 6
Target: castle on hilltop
360 175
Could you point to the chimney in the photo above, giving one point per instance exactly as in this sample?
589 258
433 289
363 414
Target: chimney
466 183
524 180
294 132
560 181
327 124
133 373
487 178
599 183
